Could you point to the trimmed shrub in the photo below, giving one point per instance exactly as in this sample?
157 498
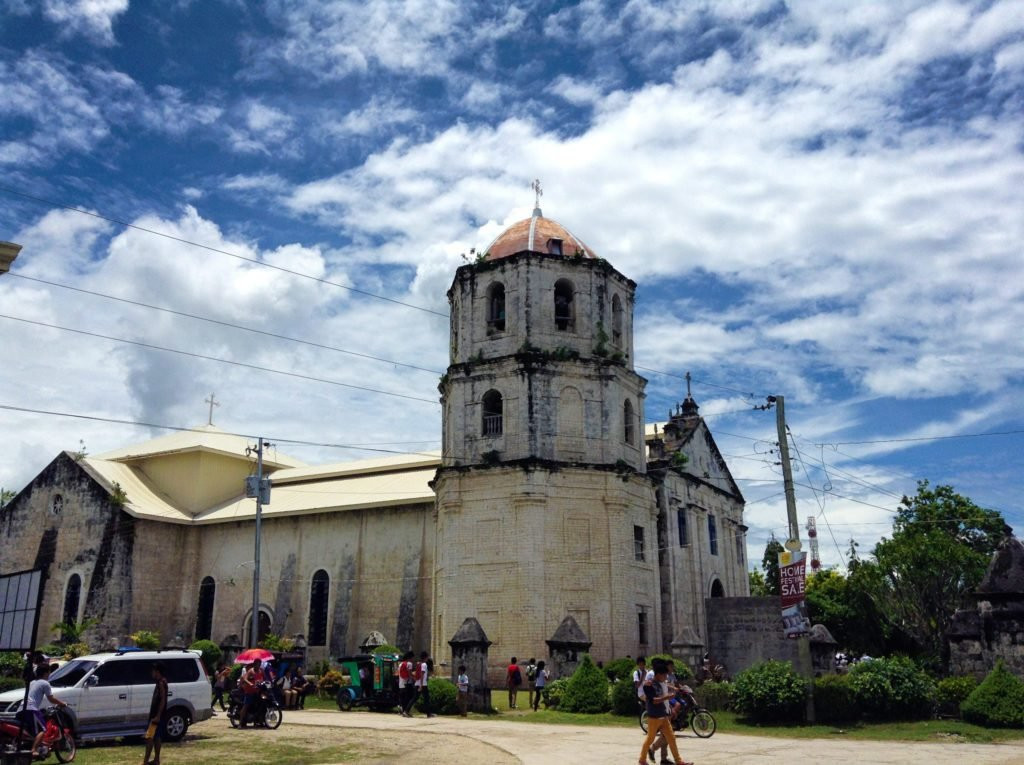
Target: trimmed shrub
388 648
714 696
998 702
769 692
276 643
554 692
951 692
11 664
624 698
587 690
442 697
885 689
330 682
74 650
834 700
211 654
147 640
617 669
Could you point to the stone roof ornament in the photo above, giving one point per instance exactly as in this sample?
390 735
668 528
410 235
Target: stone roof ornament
538 192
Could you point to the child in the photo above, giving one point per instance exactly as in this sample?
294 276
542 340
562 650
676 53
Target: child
540 679
463 685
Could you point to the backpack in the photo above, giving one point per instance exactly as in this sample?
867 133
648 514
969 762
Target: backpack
403 670
517 676
531 671
417 671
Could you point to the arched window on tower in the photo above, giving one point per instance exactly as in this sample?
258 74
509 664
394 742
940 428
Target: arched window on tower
628 423
496 307
72 599
616 320
319 591
492 416
564 309
204 613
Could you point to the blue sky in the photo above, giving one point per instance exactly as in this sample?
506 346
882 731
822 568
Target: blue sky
820 200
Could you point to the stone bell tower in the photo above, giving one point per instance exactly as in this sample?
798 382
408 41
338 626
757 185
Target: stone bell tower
543 508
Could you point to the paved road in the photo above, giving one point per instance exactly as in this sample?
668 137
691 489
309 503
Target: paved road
539 744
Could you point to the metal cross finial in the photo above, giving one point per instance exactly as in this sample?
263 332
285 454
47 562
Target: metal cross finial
538 192
688 394
212 401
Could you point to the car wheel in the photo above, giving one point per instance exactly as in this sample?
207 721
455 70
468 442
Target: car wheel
175 724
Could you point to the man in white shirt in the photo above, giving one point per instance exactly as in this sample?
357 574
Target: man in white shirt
421 681
39 690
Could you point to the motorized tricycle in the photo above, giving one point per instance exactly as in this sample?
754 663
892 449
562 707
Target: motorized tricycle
376 687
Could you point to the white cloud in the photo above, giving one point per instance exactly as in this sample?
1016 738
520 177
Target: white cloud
92 18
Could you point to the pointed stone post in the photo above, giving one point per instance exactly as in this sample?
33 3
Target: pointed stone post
566 647
469 647
690 648
374 640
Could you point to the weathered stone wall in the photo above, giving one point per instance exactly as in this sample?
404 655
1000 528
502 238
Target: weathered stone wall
65 523
521 548
985 633
745 631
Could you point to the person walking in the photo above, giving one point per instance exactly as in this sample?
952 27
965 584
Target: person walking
513 680
220 684
407 672
531 674
155 732
462 684
422 676
657 695
540 680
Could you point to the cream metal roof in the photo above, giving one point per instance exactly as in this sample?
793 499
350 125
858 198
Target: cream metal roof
207 438
391 481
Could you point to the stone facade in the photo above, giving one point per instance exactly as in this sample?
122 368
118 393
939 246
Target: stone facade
549 504
992 626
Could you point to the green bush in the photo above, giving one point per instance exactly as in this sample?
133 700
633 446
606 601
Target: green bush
893 688
11 683
74 650
388 648
834 700
330 682
587 691
951 692
554 692
442 697
715 697
998 702
11 664
277 643
211 654
683 672
769 692
624 697
617 669
147 640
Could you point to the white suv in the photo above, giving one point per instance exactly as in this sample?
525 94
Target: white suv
108 694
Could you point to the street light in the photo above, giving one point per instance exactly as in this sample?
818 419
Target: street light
8 252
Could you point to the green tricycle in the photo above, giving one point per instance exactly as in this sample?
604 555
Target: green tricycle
376 687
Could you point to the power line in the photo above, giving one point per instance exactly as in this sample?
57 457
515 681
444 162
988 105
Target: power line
217 359
833 444
225 323
189 242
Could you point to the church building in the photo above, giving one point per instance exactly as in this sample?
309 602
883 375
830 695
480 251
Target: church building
552 497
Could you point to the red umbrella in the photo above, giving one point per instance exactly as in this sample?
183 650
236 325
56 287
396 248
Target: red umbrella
253 654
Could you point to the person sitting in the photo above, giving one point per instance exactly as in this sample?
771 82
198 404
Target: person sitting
302 688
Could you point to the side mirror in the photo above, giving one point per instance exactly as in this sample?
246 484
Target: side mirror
91 681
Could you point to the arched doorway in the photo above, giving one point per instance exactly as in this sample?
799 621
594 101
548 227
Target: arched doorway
262 626
717 590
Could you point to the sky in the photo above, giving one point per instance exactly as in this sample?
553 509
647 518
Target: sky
823 201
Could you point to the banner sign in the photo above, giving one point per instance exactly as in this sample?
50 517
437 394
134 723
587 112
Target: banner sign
20 598
793 575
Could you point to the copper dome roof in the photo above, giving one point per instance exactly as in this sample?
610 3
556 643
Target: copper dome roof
537 234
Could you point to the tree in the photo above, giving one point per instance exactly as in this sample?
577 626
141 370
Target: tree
758 588
71 632
770 564
940 547
6 495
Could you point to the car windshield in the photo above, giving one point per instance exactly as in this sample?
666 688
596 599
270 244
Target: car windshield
71 673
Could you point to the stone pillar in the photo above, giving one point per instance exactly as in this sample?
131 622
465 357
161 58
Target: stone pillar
469 647
231 646
566 647
690 648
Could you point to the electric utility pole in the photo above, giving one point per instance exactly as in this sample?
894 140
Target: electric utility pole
806 667
259 487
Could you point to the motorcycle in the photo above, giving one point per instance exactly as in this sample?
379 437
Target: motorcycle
264 712
700 720
58 736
